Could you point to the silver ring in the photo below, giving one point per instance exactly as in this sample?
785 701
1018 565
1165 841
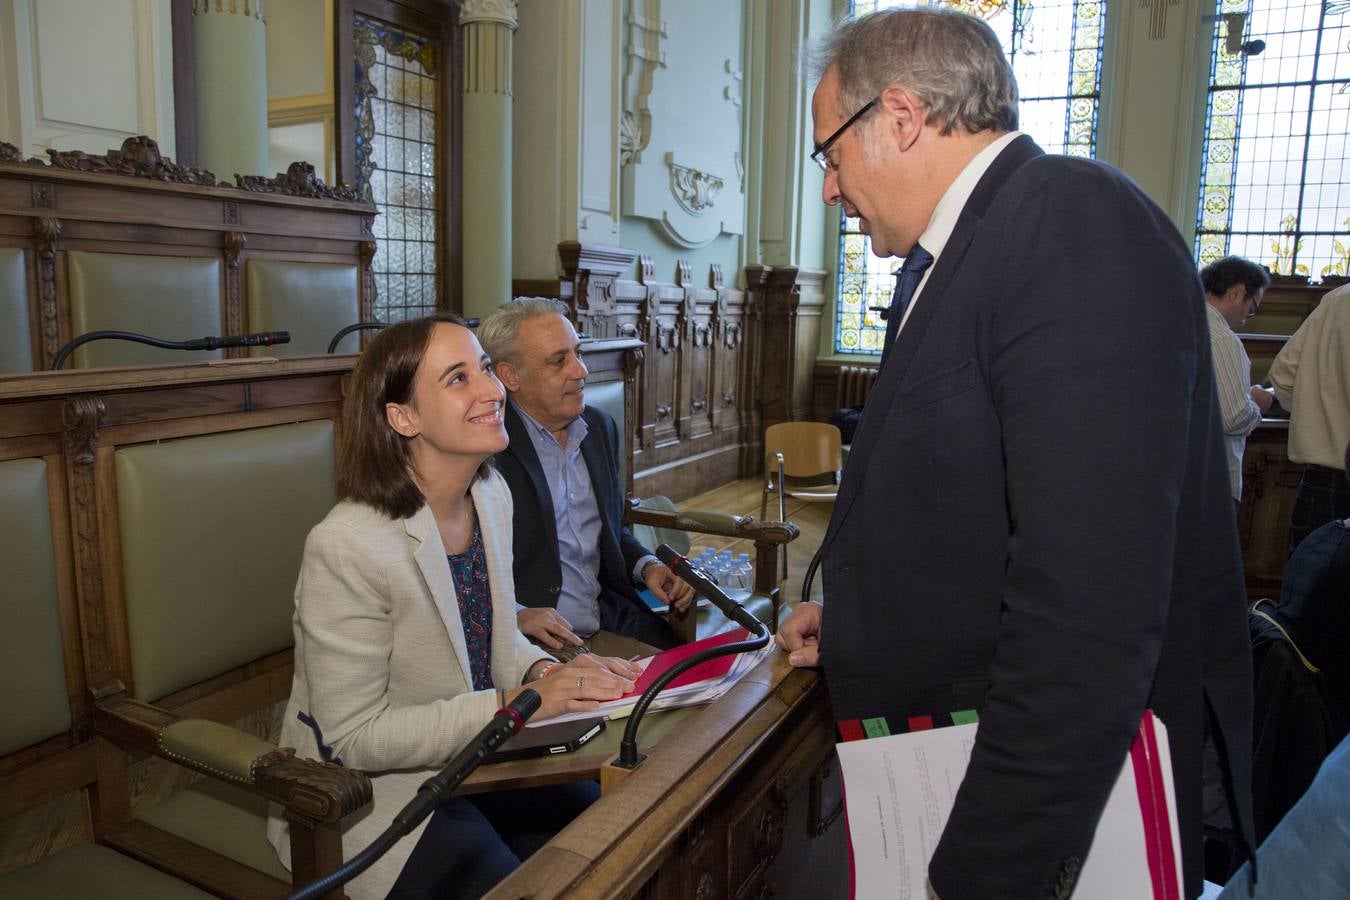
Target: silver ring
581 681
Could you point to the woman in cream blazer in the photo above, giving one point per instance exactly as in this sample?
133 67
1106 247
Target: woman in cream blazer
384 675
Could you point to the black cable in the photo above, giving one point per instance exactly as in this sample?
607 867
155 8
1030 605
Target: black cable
629 758
348 329
75 343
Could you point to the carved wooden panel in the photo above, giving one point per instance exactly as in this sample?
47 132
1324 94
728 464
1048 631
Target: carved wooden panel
1269 483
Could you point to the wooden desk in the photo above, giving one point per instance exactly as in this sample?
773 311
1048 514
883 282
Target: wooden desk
739 798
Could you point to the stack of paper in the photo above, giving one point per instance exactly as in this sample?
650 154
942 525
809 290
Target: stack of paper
703 683
900 790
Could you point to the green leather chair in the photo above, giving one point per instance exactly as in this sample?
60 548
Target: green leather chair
312 301
31 655
212 533
169 297
16 342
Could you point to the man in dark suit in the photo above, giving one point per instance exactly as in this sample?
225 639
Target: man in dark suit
1034 520
576 563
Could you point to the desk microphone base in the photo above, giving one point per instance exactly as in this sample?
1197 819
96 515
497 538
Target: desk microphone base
613 772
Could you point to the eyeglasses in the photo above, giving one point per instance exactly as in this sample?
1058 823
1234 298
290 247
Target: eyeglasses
1254 298
818 155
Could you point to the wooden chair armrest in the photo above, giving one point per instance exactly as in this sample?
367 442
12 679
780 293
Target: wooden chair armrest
705 521
318 791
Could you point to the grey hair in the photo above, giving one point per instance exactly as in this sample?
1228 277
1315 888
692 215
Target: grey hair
952 61
499 333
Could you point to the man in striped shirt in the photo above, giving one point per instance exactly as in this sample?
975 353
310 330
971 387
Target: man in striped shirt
1233 289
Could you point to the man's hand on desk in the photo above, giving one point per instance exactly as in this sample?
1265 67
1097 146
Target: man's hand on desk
668 587
799 635
546 626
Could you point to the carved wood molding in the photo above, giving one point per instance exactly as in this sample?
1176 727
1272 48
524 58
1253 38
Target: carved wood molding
298 180
367 250
138 158
233 244
80 418
10 154
46 231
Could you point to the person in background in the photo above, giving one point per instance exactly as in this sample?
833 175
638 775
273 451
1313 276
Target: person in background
1233 289
405 630
576 563
1311 376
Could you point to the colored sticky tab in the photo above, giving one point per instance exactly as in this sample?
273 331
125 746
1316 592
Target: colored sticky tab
965 717
876 727
920 723
851 730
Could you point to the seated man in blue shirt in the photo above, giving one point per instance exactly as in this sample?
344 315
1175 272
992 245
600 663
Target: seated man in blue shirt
576 564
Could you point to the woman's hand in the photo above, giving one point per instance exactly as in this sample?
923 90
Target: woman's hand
581 684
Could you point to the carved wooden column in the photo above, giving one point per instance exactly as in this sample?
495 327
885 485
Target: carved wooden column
591 270
46 231
230 47
489 29
793 301
752 417
233 242
105 643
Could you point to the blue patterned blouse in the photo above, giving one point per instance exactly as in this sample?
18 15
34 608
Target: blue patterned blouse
469 572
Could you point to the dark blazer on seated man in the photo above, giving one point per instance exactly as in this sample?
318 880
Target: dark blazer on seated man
563 467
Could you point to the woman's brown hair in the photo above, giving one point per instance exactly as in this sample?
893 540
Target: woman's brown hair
374 462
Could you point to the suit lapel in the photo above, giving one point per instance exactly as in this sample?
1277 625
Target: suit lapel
521 446
593 451
430 557
902 354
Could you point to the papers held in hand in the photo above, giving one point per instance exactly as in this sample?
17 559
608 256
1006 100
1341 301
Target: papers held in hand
900 789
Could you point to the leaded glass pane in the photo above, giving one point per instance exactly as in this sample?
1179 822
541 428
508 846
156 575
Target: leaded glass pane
1272 171
395 162
1056 50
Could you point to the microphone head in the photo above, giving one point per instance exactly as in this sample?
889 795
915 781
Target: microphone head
668 555
280 337
526 704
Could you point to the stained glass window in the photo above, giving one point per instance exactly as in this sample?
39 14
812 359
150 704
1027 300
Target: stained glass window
395 92
1056 51
1273 172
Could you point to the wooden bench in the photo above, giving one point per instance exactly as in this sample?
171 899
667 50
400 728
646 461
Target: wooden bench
156 605
130 241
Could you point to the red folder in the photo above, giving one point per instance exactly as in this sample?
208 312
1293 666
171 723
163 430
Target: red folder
713 668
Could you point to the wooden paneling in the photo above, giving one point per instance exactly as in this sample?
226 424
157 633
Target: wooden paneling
135 201
1269 483
716 364
731 803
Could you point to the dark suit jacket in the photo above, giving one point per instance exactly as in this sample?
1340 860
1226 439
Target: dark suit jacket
1035 522
535 531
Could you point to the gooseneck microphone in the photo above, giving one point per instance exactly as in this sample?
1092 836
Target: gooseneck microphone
629 758
432 793
704 585
258 339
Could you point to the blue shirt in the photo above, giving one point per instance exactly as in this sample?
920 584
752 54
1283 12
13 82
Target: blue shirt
577 517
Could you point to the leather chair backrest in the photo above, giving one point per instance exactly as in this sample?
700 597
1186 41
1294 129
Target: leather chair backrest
31 661
608 397
212 532
16 346
652 537
174 298
312 301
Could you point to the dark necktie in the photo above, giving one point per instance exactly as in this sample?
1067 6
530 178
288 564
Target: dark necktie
916 263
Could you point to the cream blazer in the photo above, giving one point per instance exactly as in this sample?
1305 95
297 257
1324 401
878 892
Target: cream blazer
381 664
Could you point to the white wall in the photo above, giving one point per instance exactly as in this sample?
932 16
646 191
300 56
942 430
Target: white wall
79 75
